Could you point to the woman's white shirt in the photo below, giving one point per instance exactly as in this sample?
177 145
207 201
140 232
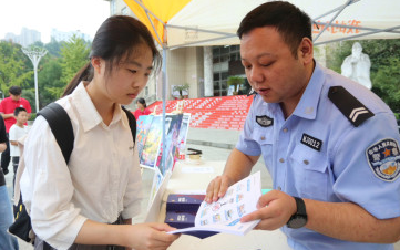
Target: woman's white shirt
101 182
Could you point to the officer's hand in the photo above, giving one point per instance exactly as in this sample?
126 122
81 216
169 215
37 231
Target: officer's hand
217 188
5 171
274 210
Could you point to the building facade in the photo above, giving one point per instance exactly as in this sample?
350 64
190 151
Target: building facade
60 36
205 69
26 38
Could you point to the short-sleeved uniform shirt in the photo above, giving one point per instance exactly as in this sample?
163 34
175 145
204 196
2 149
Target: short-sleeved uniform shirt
7 106
317 153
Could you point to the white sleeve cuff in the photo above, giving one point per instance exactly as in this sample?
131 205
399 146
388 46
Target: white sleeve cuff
65 239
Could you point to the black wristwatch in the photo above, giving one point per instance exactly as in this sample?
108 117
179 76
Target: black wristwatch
299 219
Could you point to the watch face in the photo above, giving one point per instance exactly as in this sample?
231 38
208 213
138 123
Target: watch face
297 222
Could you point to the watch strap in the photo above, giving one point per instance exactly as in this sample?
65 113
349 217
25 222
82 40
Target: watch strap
301 207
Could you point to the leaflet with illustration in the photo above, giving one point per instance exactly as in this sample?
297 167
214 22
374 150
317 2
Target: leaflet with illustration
224 214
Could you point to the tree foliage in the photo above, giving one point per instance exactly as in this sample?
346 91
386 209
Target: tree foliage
53 47
55 69
385 66
50 85
15 67
74 54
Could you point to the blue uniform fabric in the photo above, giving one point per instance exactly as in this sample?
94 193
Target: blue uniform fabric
338 165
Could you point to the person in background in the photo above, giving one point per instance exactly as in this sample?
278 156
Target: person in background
7 242
17 131
7 107
90 203
141 108
330 145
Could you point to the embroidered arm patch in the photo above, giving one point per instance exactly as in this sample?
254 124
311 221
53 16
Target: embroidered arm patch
356 112
384 159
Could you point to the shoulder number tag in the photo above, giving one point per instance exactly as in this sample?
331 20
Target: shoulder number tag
264 121
311 142
384 159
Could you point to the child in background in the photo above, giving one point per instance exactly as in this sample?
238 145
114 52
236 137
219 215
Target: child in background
17 131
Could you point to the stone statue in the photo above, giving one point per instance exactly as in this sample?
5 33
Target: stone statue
357 65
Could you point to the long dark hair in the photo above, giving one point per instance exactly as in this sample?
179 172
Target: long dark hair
116 39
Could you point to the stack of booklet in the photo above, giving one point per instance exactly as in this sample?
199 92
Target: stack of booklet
221 216
181 213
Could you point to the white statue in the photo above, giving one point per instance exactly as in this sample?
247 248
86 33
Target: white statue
357 65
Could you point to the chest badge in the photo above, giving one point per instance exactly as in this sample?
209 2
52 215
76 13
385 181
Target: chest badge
311 142
384 159
264 121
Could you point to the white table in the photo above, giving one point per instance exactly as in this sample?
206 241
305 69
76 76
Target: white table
192 178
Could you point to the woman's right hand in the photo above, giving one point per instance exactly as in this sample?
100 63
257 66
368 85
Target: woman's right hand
152 235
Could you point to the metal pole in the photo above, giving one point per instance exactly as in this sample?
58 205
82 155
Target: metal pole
35 54
164 97
35 69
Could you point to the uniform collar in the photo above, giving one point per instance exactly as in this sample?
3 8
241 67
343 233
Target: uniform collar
308 103
87 111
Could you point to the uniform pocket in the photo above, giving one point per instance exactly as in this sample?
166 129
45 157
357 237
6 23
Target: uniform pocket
265 138
311 174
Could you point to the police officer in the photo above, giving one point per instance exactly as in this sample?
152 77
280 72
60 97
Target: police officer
330 145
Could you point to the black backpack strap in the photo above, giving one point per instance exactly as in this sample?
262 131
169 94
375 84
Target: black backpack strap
61 127
132 123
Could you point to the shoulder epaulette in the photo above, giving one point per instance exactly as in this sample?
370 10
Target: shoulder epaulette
356 112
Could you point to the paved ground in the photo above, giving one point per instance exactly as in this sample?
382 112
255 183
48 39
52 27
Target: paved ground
216 145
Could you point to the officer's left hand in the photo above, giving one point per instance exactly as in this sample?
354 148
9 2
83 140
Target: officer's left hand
273 210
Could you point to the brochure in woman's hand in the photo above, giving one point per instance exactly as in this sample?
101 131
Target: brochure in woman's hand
224 214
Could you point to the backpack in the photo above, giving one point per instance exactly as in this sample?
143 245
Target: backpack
61 127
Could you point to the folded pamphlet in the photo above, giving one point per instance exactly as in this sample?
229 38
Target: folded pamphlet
223 215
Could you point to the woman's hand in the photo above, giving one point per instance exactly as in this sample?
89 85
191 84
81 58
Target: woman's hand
150 236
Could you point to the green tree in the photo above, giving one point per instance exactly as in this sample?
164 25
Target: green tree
385 66
15 68
54 48
74 54
235 81
50 84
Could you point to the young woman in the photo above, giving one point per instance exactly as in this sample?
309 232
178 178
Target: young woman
74 206
141 108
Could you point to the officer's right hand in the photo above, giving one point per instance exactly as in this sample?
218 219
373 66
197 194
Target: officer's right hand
217 188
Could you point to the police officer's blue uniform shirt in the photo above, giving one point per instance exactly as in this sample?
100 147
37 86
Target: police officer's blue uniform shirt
317 153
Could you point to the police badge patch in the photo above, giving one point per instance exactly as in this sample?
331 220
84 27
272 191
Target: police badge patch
264 121
384 159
